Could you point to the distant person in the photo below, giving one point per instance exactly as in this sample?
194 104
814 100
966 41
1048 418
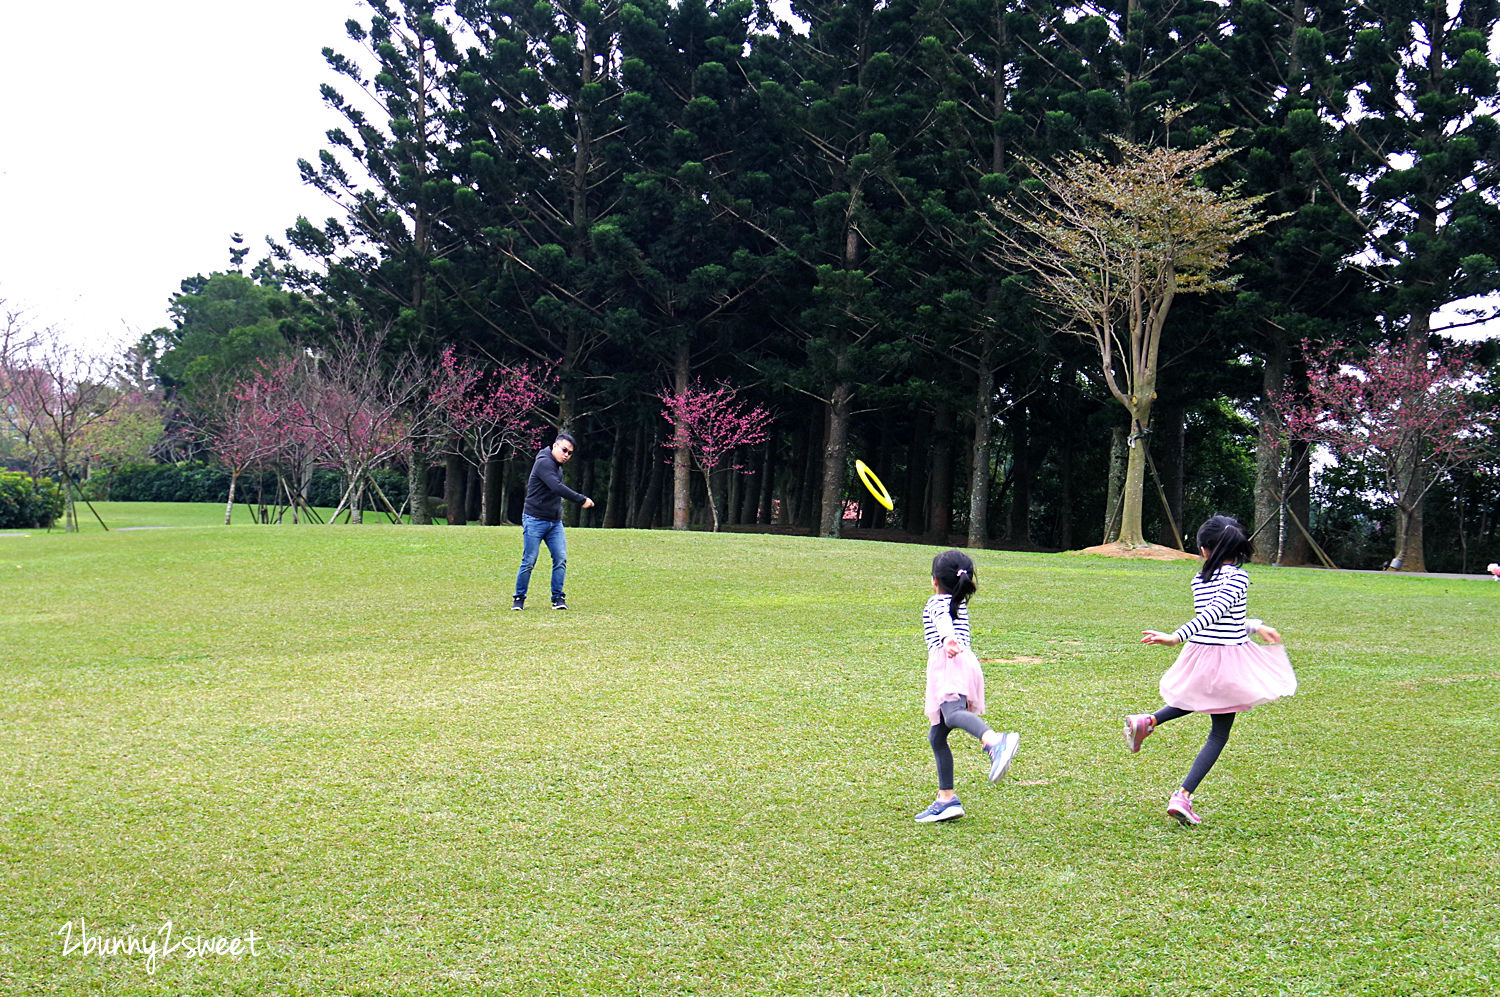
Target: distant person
1220 671
541 519
955 684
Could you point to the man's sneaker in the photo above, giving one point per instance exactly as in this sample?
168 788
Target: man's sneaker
1180 806
1001 754
1138 726
941 810
559 604
518 604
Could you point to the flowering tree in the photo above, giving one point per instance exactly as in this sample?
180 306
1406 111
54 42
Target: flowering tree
254 425
51 395
1109 247
712 424
1405 409
359 411
491 412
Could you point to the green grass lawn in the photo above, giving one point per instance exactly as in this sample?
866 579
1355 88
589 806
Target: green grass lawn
701 779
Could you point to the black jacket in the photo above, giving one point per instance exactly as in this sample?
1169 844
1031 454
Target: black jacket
545 489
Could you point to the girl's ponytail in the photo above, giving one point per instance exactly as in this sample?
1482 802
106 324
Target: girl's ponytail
954 572
1224 539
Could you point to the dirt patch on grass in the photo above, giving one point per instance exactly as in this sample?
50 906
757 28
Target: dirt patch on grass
1151 552
1022 660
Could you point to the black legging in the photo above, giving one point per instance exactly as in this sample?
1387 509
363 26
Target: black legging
955 715
1218 736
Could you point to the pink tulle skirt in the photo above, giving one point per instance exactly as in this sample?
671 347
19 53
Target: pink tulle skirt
949 678
1228 678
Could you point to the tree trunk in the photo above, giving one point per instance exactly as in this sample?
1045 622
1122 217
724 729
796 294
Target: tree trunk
492 492
1131 532
1113 502
914 509
475 496
416 488
234 478
614 498
1410 473
835 458
713 507
456 490
682 458
651 500
636 489
1270 459
1063 521
808 495
984 429
1409 556
586 479
766 509
940 477
1294 548
1018 515
749 502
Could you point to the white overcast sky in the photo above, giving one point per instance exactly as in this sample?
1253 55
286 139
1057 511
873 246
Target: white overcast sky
139 136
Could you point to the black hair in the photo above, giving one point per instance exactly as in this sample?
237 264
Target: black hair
563 434
1224 539
953 570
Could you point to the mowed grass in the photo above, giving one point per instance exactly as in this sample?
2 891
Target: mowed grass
700 779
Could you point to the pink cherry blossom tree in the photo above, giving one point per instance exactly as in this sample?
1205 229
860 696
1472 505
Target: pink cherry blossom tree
491 412
51 394
254 425
1409 411
712 424
360 409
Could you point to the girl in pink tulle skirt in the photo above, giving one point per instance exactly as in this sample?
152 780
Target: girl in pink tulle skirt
1221 671
955 683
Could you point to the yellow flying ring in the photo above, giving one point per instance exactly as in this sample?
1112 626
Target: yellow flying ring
873 484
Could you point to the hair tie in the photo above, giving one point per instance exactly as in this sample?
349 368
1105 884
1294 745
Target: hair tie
962 572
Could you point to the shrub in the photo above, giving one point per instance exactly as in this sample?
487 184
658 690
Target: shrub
27 504
186 482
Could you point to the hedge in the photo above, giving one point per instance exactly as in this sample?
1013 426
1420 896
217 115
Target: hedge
27 504
192 481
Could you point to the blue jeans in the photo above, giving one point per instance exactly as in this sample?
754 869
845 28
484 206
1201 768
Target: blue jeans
533 533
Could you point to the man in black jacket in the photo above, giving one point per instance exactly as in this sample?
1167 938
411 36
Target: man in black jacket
541 519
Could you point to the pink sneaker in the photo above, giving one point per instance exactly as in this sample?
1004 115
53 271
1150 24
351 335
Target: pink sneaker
1138 726
1180 806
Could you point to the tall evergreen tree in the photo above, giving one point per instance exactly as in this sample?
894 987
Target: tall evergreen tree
688 265
541 161
854 117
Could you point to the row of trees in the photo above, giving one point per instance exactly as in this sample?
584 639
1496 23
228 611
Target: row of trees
837 217
348 406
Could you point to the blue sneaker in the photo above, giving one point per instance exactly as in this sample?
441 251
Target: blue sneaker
1001 755
941 810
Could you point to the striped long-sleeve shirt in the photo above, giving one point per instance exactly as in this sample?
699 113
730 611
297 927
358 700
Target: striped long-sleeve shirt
1219 608
938 625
